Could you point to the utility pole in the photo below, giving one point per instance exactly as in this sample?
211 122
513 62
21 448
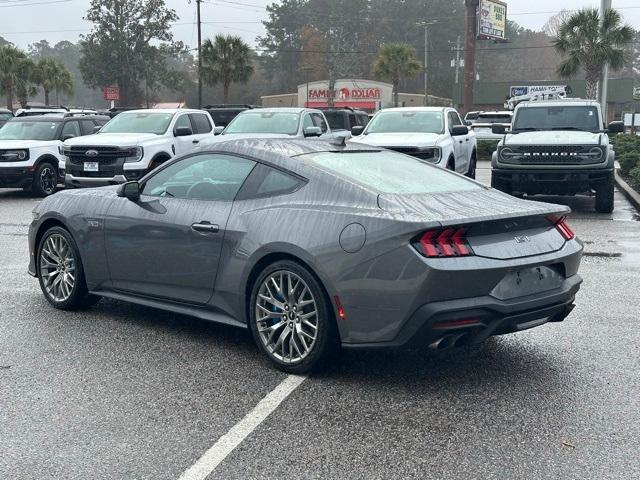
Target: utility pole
198 2
470 55
426 58
604 77
458 48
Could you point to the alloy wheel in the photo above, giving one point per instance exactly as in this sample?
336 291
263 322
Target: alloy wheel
287 316
57 267
48 180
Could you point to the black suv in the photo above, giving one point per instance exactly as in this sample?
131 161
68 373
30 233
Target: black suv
345 118
222 114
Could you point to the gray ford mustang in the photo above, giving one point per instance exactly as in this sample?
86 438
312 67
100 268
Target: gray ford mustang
312 245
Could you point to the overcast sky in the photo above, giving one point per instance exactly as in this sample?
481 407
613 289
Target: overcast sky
26 21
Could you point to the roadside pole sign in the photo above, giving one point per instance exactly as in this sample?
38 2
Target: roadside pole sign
111 93
492 20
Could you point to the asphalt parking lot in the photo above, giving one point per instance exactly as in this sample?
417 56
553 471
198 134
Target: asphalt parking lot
127 392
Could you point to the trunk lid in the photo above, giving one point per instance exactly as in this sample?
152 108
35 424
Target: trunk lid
498 226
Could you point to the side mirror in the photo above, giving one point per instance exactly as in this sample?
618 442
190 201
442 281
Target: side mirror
182 132
498 129
68 136
217 130
468 123
616 127
312 131
357 130
130 190
458 130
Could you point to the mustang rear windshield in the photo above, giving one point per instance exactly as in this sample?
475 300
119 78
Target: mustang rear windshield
139 122
391 172
283 123
26 130
557 118
406 122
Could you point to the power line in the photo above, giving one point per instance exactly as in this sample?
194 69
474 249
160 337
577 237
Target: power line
20 4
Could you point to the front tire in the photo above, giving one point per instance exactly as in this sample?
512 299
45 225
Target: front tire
471 172
290 319
605 197
45 180
60 271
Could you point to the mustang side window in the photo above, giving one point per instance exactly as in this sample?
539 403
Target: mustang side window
209 176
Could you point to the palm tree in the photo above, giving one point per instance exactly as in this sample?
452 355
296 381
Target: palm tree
226 60
26 82
63 82
11 71
48 70
395 62
588 45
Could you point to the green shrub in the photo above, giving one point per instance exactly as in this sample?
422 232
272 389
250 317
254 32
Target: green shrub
486 149
625 143
629 161
634 177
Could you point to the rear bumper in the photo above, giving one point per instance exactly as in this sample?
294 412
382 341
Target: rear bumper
480 317
551 181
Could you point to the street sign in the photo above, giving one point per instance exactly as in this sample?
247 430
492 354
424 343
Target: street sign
111 93
636 93
492 20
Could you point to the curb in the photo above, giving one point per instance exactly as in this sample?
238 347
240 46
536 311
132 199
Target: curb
630 193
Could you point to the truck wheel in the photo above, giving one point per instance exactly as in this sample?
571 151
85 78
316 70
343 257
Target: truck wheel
604 197
498 185
45 180
471 173
451 165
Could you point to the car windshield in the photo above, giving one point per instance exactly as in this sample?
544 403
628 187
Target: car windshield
391 172
29 130
406 122
5 116
557 118
495 118
284 123
139 122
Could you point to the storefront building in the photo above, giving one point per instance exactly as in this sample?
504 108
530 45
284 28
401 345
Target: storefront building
367 95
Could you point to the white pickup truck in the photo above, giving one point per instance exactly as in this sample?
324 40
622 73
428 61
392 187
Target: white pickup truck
134 143
435 134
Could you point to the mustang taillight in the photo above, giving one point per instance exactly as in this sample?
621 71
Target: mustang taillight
562 227
449 242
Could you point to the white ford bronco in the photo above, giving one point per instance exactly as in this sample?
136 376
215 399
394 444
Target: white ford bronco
134 143
557 147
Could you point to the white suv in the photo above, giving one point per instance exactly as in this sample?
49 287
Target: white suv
31 149
435 134
134 143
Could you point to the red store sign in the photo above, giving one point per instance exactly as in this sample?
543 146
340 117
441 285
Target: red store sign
346 93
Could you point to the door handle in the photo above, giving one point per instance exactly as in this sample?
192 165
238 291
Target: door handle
195 141
467 140
205 227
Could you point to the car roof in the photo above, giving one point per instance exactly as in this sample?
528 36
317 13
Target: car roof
558 102
282 109
284 149
47 118
415 109
164 110
500 112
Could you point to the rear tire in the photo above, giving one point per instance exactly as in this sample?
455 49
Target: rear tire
60 271
605 197
45 180
283 300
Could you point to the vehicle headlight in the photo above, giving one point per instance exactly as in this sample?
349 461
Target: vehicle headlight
135 155
15 155
595 153
507 154
431 154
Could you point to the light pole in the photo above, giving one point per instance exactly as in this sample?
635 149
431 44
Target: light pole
426 58
199 55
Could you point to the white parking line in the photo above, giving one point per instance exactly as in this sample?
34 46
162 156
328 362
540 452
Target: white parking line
241 430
